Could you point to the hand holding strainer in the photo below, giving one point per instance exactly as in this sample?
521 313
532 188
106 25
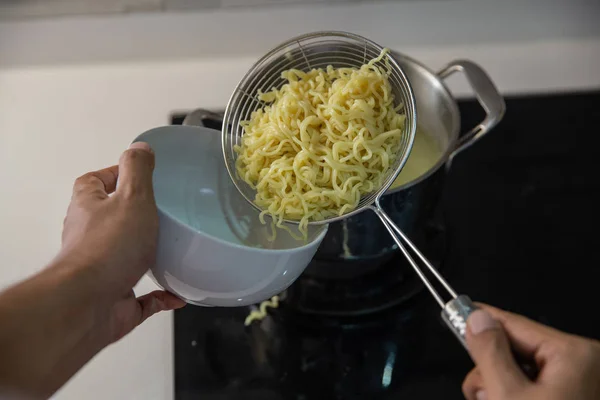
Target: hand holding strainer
340 50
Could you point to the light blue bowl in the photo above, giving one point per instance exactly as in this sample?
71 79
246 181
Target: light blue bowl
212 248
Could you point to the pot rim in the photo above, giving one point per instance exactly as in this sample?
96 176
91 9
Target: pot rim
402 58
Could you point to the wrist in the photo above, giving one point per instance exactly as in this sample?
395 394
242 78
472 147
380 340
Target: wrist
60 312
82 291
84 277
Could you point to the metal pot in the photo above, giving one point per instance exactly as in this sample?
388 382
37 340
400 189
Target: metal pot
361 243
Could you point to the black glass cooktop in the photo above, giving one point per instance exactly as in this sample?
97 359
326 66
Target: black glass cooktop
519 217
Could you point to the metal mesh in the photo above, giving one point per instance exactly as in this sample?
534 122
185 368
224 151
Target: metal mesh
314 50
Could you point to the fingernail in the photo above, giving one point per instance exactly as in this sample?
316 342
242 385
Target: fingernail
141 146
480 395
480 321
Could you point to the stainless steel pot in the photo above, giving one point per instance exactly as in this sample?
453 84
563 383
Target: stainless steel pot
361 243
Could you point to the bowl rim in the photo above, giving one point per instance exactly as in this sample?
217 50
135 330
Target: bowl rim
190 229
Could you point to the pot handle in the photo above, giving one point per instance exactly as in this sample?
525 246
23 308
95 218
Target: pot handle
488 96
197 117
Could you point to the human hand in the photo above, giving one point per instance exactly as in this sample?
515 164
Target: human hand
569 365
114 238
57 320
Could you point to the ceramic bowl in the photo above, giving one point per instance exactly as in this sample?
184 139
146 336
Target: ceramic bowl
212 248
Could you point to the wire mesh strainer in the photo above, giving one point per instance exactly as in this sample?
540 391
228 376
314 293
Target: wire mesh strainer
338 49
315 50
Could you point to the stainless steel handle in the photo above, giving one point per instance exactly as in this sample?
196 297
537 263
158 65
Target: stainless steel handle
197 117
488 96
402 241
455 314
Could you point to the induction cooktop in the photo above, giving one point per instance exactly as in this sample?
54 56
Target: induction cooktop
519 217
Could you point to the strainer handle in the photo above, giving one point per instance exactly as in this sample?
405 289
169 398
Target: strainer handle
488 96
454 312
404 243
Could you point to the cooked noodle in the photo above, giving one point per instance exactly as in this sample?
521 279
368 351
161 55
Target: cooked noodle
326 138
261 312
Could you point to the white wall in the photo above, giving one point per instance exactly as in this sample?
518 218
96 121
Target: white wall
233 32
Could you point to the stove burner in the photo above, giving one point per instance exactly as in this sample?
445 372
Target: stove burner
387 286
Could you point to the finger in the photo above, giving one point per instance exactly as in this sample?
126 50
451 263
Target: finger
102 182
157 301
526 336
490 349
473 384
135 171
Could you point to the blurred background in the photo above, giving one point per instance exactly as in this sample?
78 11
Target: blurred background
79 79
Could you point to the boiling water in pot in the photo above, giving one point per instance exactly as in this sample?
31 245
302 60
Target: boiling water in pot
425 154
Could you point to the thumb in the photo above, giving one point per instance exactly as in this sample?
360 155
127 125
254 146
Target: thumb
135 171
490 349
157 301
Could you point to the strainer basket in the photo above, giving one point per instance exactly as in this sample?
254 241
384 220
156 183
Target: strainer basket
314 50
